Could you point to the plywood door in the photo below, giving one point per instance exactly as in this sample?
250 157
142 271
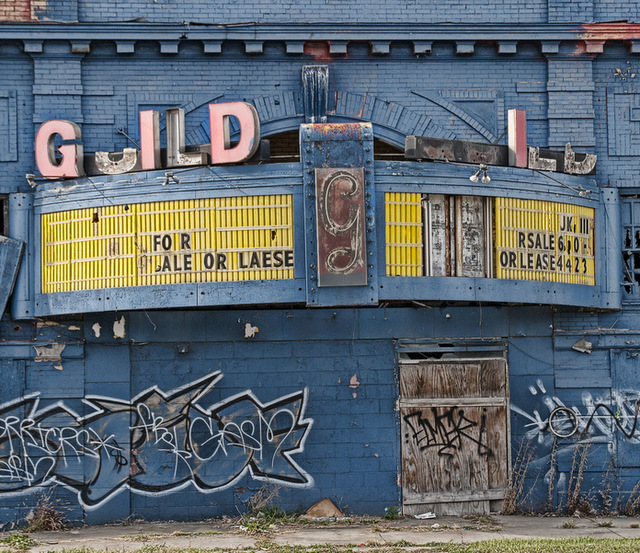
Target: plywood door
454 435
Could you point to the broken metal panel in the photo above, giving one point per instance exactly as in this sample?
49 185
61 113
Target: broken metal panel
437 236
568 161
421 147
458 236
10 256
22 228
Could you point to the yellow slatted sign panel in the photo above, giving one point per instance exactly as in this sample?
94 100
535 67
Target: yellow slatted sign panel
547 241
204 240
403 234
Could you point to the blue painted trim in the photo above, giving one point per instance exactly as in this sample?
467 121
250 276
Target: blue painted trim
199 182
171 296
290 32
506 182
487 290
610 229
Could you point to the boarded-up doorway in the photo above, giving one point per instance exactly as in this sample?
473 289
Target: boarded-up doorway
455 439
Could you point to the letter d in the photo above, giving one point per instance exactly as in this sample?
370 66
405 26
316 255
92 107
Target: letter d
221 150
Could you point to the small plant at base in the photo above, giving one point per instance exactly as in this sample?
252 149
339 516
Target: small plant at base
633 502
19 542
569 524
605 524
515 498
575 498
391 513
46 516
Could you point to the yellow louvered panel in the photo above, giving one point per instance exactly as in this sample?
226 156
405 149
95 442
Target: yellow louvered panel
547 241
198 240
403 234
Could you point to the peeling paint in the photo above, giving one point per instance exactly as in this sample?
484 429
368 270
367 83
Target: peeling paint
74 327
118 328
250 331
49 353
96 329
318 50
354 383
610 31
583 346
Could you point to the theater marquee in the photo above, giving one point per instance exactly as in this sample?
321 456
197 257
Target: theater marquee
172 242
538 240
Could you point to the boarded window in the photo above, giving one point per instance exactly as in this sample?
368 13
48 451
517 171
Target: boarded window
631 245
454 435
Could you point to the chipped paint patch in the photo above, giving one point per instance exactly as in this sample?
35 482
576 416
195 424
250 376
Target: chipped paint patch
96 330
610 31
118 328
354 383
318 50
250 331
74 327
50 353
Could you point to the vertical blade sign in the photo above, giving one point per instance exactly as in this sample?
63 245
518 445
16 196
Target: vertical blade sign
340 212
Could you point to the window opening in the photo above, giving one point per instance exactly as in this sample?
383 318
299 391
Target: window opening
4 215
631 245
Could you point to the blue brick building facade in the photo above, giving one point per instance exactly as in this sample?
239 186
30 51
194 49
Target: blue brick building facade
179 398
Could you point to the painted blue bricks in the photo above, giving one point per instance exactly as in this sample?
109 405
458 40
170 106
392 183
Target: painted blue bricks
171 408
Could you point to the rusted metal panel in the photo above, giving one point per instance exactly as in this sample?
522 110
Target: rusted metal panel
454 435
470 237
458 235
340 214
438 149
421 147
438 229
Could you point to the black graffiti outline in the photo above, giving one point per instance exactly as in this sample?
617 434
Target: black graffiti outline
573 420
157 421
448 438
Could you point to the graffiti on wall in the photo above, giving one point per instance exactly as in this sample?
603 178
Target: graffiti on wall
447 431
156 443
598 417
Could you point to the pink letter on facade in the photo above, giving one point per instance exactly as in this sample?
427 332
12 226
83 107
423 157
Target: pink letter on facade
517 132
72 154
149 140
221 150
